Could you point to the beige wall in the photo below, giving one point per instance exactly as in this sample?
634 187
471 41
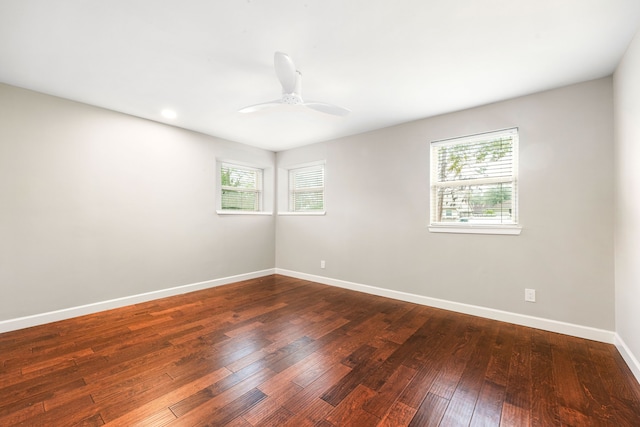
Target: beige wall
377 199
627 236
97 205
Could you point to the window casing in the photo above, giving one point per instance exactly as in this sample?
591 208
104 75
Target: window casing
240 188
306 189
474 183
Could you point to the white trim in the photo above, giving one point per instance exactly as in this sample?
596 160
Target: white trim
475 181
482 136
303 213
283 187
266 190
580 331
68 313
628 356
233 212
476 229
292 192
435 183
290 166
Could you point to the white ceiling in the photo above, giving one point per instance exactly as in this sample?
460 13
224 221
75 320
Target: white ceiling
389 61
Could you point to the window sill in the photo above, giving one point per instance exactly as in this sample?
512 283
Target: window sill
316 213
476 229
223 212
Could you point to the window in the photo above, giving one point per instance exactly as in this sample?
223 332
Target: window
306 189
474 183
240 188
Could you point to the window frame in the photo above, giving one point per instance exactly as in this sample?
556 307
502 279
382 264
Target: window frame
285 176
512 228
259 190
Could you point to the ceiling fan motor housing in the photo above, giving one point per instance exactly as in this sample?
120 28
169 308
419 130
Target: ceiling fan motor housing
291 99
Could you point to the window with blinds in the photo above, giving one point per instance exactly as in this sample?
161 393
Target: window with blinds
474 180
241 188
306 189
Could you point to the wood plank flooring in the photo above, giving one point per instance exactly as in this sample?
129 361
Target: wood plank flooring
281 351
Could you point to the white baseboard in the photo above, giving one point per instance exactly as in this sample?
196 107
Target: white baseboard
489 313
587 332
628 356
67 313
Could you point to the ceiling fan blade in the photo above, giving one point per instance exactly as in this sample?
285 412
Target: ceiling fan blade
258 107
291 81
327 108
286 72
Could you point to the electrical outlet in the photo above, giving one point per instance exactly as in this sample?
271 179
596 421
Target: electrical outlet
322 263
530 295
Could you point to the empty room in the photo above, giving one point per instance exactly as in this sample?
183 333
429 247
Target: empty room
320 213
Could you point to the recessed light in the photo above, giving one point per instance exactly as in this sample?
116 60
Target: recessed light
169 114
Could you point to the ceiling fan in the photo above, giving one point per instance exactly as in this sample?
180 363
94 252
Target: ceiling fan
291 81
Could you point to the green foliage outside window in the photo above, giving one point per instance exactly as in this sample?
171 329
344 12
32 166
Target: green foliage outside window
474 179
240 188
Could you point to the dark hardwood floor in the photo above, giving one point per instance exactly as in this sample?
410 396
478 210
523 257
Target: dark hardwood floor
281 351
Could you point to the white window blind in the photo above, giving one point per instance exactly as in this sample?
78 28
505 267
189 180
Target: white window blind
474 180
241 188
306 189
